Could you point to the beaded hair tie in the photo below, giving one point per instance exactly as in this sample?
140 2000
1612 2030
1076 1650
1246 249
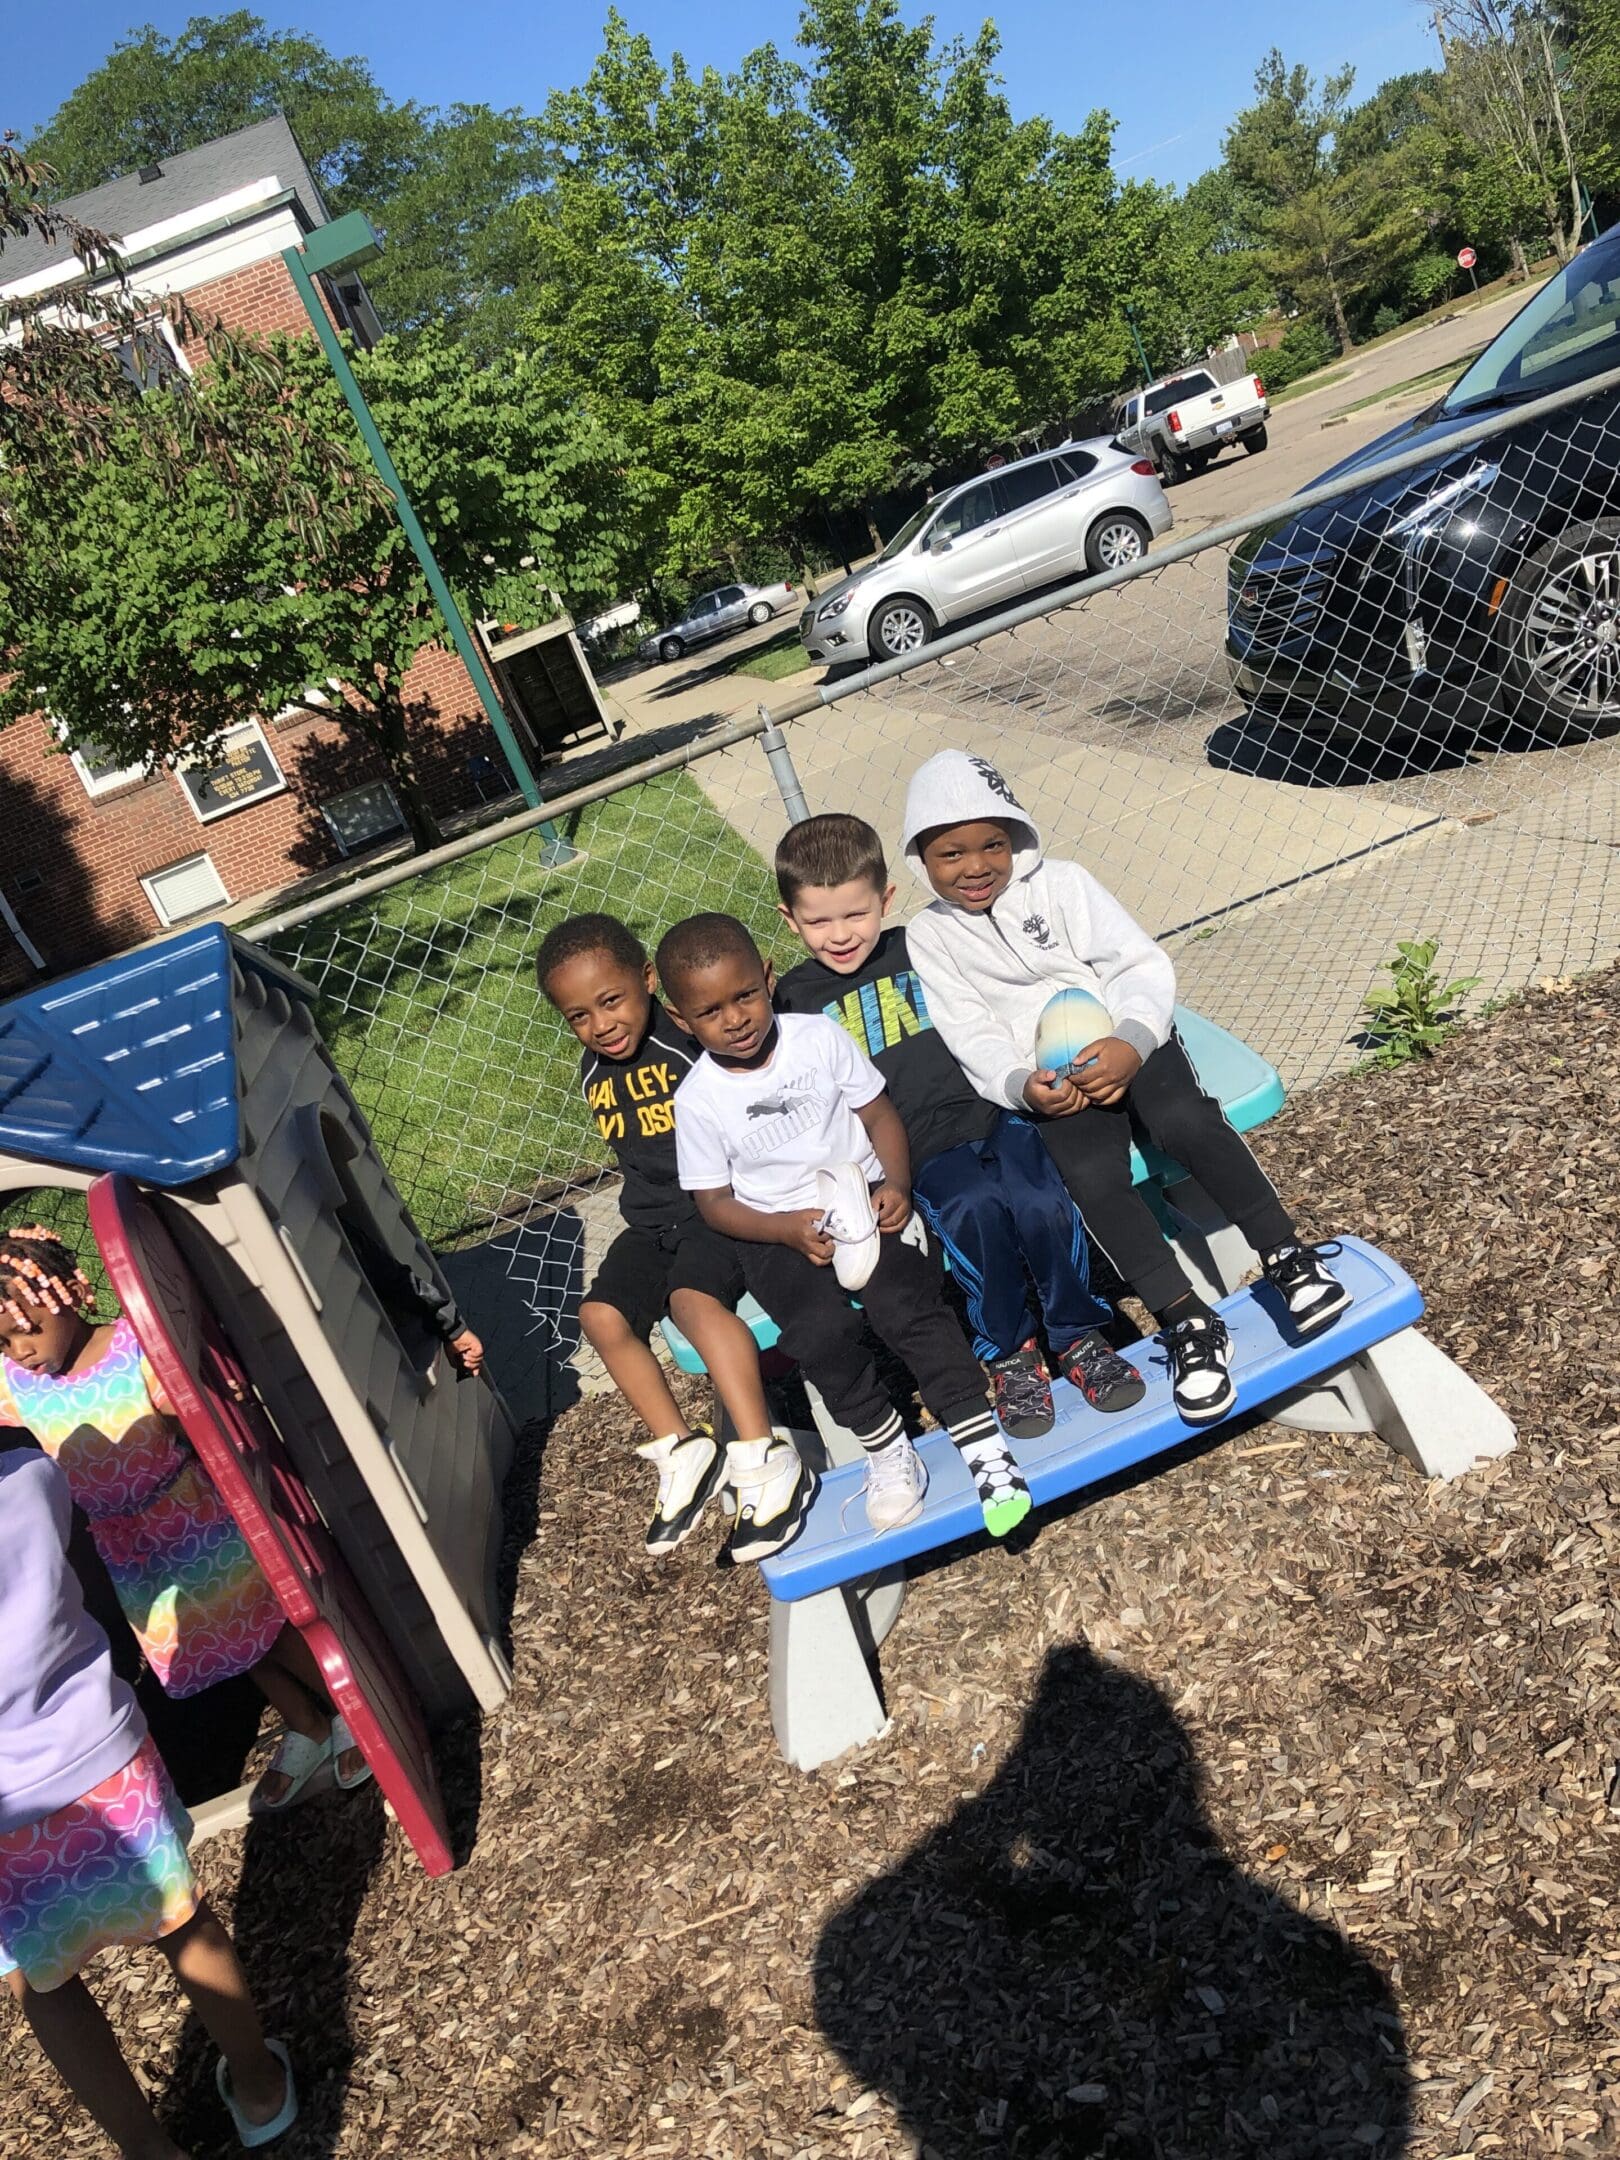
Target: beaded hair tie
40 1285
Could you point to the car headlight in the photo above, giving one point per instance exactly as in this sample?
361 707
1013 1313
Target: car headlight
834 608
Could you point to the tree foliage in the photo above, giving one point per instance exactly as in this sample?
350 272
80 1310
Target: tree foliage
156 607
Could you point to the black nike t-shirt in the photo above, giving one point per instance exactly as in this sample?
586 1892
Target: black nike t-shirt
882 1006
633 1102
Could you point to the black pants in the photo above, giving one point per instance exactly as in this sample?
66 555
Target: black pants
904 1300
1166 1105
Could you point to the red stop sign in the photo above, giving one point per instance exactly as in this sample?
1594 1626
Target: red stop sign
1467 258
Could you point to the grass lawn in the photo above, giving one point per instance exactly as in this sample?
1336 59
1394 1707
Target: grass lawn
1432 379
1318 381
780 656
428 999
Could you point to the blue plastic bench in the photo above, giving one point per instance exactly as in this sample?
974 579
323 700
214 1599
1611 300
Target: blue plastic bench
838 1589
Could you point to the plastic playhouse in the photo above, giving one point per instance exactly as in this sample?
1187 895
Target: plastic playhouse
239 1204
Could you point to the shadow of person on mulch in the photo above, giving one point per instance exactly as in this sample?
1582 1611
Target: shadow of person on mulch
1072 1966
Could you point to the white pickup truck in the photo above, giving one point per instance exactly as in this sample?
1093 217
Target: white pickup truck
1185 420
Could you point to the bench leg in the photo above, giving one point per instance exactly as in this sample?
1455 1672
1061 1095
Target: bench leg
1214 1252
1415 1397
824 1700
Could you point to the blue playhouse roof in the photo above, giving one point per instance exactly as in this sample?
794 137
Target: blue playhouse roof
131 1065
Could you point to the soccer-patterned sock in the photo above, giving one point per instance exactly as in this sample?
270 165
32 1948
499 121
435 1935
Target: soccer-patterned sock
1003 1495
885 1434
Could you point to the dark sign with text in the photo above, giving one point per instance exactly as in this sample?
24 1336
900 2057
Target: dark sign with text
242 773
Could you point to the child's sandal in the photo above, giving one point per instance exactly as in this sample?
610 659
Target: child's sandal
342 1741
253 2134
297 1758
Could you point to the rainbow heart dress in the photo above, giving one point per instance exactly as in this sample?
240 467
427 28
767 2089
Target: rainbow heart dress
188 1585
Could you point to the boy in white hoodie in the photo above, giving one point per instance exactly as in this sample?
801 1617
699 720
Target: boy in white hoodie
1005 932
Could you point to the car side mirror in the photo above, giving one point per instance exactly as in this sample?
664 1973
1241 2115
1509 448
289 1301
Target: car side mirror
940 544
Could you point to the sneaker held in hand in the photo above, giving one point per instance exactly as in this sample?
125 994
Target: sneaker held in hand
896 1482
847 1217
773 1491
691 1470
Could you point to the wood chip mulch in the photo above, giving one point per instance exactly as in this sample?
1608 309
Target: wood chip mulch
1262 1806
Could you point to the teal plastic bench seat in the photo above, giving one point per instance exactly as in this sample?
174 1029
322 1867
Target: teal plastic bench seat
1248 1089
1084 1447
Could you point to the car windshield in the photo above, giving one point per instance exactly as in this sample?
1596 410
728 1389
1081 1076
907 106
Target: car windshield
907 533
1163 395
1570 330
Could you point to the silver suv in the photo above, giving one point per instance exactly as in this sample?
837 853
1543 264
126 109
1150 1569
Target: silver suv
1083 508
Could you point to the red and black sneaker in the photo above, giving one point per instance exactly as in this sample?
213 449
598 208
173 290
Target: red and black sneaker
1104 1378
1023 1393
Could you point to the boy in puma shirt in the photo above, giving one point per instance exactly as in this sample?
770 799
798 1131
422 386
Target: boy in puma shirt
985 1185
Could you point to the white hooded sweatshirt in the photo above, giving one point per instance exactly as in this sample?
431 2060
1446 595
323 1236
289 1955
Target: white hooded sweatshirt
988 976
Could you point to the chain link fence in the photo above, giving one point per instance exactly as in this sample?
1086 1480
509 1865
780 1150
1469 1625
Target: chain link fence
1383 711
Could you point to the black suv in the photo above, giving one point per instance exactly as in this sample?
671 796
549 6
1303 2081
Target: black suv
1483 583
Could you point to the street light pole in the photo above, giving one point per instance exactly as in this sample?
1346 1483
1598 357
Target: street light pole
343 245
1136 340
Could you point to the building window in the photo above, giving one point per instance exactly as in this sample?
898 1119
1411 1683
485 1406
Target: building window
184 889
242 770
101 772
149 356
363 816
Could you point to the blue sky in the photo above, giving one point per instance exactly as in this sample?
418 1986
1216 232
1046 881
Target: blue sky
1172 73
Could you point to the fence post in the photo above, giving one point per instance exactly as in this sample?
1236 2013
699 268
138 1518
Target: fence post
774 744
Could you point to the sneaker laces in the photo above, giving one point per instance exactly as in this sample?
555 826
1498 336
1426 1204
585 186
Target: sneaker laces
1195 1344
1296 1264
890 1466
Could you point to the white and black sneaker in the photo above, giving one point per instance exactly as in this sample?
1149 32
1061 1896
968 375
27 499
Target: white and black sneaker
1200 1368
691 1470
773 1491
1312 1297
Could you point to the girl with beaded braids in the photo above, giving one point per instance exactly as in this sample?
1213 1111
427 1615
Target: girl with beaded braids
190 1589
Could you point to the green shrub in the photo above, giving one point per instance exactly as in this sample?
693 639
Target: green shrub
1305 348
1387 319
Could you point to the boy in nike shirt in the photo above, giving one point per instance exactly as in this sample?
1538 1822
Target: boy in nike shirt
785 1136
666 1259
985 1183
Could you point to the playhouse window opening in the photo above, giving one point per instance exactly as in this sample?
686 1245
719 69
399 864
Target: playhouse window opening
394 1281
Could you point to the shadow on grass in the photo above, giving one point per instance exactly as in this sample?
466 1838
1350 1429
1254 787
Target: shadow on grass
1072 1965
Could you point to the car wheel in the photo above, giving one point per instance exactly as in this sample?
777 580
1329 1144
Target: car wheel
899 628
1173 468
1255 441
670 648
1562 625
759 612
1119 537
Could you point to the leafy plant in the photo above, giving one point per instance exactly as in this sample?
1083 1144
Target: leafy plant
1411 1015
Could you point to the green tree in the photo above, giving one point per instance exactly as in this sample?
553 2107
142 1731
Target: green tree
1331 231
1512 89
147 610
154 96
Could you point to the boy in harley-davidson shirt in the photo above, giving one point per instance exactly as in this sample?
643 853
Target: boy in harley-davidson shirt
595 971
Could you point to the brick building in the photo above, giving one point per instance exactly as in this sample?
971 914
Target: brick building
97 858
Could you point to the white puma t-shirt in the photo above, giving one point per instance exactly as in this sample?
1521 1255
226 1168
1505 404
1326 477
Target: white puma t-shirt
767 1132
